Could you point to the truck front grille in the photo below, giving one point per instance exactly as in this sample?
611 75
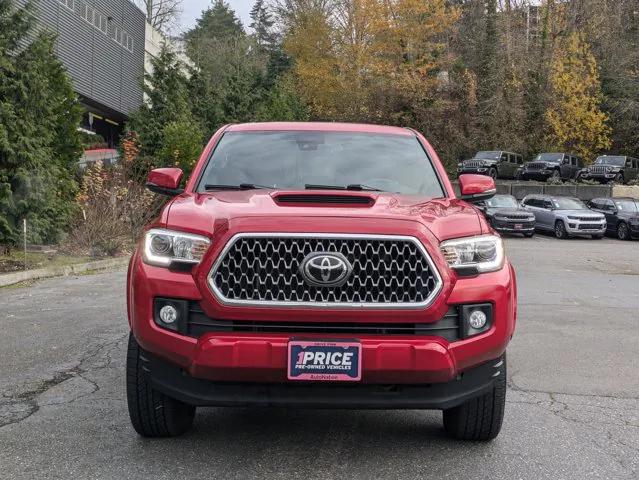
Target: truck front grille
473 164
598 169
535 166
264 269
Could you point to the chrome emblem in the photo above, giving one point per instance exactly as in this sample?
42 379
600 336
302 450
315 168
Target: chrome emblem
323 269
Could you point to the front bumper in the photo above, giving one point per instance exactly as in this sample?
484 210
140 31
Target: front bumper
598 177
581 227
536 174
474 170
510 226
174 382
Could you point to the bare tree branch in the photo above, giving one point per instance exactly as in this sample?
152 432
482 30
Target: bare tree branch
161 14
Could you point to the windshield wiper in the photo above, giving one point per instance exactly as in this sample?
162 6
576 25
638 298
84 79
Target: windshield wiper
241 186
352 186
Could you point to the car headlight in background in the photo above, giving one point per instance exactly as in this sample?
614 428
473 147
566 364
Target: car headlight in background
484 253
163 247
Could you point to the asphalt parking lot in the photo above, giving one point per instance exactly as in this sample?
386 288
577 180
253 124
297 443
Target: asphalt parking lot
572 412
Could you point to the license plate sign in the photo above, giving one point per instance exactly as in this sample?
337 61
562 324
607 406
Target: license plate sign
518 226
325 361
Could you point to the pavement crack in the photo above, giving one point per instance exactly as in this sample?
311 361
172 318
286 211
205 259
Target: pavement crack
16 407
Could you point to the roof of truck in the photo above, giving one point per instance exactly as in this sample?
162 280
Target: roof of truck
319 127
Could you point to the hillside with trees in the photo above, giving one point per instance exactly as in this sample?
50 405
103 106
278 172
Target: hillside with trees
470 74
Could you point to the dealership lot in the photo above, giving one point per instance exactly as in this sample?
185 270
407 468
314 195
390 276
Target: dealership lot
573 404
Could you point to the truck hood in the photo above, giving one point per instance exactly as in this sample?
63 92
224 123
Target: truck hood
445 217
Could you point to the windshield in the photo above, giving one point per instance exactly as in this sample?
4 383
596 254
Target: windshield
291 160
549 157
627 206
488 155
502 201
562 203
608 160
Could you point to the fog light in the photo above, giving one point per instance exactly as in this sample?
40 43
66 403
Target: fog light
168 314
477 319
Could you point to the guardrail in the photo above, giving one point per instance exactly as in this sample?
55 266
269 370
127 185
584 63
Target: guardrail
584 192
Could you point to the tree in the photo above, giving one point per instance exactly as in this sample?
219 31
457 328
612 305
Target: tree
575 121
167 101
182 145
39 142
217 23
262 25
366 59
161 14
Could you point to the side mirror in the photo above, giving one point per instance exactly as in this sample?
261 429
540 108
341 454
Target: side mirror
475 188
165 181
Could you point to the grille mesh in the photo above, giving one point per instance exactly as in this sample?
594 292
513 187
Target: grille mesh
266 270
536 166
473 164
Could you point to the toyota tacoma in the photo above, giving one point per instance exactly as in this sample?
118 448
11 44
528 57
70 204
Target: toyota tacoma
320 266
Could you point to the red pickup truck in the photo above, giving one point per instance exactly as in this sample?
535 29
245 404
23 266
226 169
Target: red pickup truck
319 265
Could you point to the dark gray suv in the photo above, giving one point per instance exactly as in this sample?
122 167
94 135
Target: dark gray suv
611 168
565 216
545 165
495 164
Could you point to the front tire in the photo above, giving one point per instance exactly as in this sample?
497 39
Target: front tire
479 418
152 413
560 230
622 231
493 173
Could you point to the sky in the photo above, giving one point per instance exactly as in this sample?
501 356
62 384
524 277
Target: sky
192 9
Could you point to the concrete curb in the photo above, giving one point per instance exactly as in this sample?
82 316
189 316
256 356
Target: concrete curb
61 271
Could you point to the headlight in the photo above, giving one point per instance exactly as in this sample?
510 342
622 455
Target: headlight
164 247
484 253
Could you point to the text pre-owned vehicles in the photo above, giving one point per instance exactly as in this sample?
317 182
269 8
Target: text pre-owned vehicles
565 216
506 215
545 165
611 168
495 164
622 215
319 265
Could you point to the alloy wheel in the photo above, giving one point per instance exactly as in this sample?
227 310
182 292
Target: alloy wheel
622 231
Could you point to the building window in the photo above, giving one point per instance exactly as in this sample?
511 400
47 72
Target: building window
129 43
67 3
88 14
100 21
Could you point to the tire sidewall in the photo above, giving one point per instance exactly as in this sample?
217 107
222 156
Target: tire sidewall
622 227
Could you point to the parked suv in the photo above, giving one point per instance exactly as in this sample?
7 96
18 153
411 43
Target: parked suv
611 168
506 215
319 265
565 216
565 166
495 164
622 215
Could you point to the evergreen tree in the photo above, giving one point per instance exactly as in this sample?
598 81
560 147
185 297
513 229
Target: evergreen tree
262 25
167 101
39 142
217 23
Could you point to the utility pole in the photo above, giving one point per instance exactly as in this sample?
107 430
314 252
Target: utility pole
149 11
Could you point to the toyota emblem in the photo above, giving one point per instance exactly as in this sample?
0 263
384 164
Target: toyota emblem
323 269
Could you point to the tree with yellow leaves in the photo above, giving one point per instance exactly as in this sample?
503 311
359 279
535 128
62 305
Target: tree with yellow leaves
574 119
361 59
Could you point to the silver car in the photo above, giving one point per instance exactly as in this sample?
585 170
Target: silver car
565 216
